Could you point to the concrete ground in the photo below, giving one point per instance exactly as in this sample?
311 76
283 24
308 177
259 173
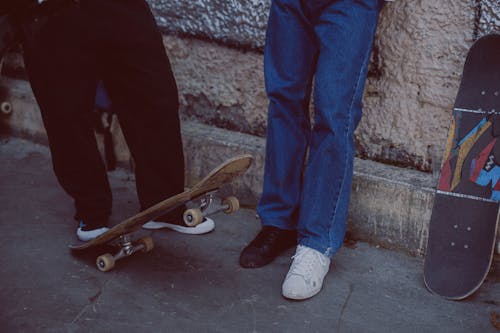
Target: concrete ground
194 283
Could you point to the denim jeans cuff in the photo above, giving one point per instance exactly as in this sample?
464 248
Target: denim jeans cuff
327 251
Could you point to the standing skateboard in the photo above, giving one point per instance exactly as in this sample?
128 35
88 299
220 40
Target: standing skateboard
201 194
464 219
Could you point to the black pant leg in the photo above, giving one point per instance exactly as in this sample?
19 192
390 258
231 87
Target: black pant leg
139 79
61 64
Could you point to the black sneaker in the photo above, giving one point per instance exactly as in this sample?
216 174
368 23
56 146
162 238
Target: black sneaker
267 245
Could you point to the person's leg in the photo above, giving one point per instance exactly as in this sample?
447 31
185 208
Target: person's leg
345 31
60 63
289 62
138 77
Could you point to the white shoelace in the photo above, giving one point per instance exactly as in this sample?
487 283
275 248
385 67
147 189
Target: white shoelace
304 261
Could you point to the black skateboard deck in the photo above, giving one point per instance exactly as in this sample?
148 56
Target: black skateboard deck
463 224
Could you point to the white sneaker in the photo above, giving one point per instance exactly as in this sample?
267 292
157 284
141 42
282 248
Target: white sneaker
87 235
306 274
204 227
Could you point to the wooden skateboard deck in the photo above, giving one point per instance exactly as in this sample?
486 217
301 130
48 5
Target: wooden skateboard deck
221 175
463 224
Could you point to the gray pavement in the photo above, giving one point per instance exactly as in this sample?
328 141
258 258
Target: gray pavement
194 283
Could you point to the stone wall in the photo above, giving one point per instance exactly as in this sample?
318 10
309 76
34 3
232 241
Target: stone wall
231 22
420 47
219 85
419 53
488 17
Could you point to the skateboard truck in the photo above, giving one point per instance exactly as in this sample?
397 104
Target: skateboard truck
127 247
208 206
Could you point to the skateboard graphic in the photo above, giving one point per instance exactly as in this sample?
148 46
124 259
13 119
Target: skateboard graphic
201 194
463 225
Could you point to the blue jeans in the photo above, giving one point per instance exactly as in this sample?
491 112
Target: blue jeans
308 168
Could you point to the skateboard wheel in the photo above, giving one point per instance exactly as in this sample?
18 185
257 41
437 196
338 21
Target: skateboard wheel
6 108
232 203
193 217
147 242
105 262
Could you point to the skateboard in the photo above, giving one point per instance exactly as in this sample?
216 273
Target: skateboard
202 195
464 220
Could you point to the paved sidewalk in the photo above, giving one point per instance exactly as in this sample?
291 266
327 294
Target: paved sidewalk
194 283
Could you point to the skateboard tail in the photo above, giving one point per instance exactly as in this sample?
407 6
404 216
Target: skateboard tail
460 248
430 285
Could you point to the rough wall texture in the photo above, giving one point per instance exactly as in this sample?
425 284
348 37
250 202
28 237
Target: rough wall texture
418 57
218 85
488 17
234 22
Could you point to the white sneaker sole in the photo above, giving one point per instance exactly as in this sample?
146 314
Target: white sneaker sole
297 296
204 227
86 236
